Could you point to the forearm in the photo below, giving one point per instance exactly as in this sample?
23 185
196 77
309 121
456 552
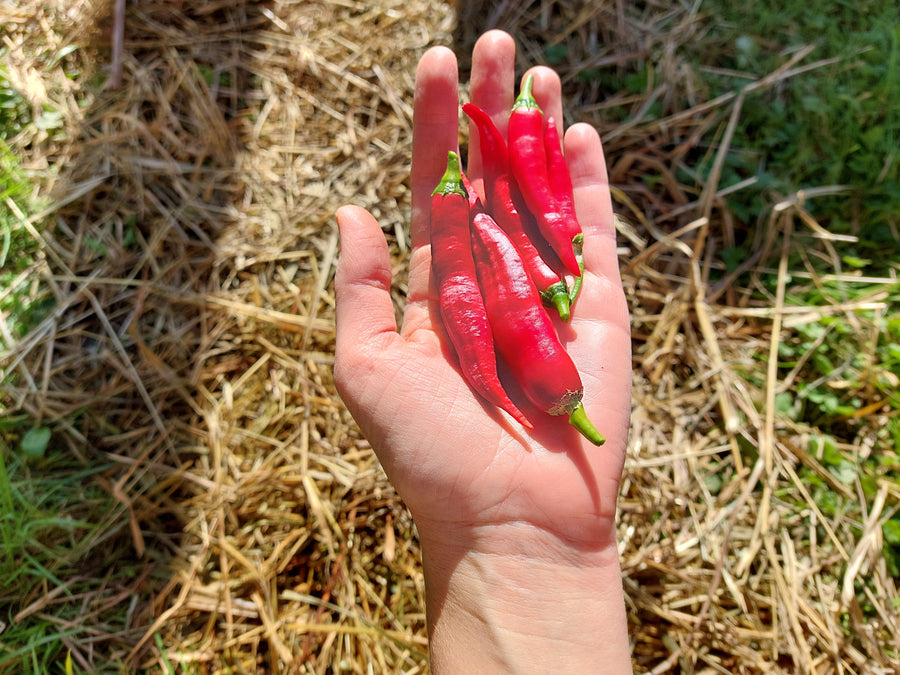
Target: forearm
524 602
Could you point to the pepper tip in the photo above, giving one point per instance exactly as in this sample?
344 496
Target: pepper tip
561 302
578 418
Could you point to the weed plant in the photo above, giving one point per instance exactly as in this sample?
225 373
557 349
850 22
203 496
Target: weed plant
53 520
54 513
18 246
838 124
835 124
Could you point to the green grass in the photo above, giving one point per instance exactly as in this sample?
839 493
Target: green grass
836 125
60 556
846 372
845 366
18 246
56 525
15 113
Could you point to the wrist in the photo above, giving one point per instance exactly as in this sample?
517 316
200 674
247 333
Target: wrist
514 598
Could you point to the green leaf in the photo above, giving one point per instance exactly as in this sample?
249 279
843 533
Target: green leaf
556 54
824 447
891 531
713 483
733 256
845 471
95 245
786 405
856 261
35 441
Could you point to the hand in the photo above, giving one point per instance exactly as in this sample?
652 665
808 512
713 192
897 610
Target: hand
477 483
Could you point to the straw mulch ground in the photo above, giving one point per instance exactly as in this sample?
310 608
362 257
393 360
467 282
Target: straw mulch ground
190 254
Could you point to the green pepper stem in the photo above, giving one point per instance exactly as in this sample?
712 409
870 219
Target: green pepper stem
557 296
578 243
525 99
451 182
578 418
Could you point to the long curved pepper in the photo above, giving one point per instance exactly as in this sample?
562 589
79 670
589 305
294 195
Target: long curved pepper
523 333
459 296
528 162
500 195
561 180
564 193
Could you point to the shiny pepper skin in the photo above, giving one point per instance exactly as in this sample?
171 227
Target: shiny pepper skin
523 333
463 312
528 162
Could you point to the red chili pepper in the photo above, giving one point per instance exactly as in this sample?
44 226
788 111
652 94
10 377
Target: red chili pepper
459 295
523 333
528 162
563 192
504 201
560 179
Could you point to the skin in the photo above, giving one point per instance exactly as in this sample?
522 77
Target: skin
517 528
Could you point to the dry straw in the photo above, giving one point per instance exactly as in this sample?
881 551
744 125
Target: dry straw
189 253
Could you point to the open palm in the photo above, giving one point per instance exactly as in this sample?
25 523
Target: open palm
457 461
